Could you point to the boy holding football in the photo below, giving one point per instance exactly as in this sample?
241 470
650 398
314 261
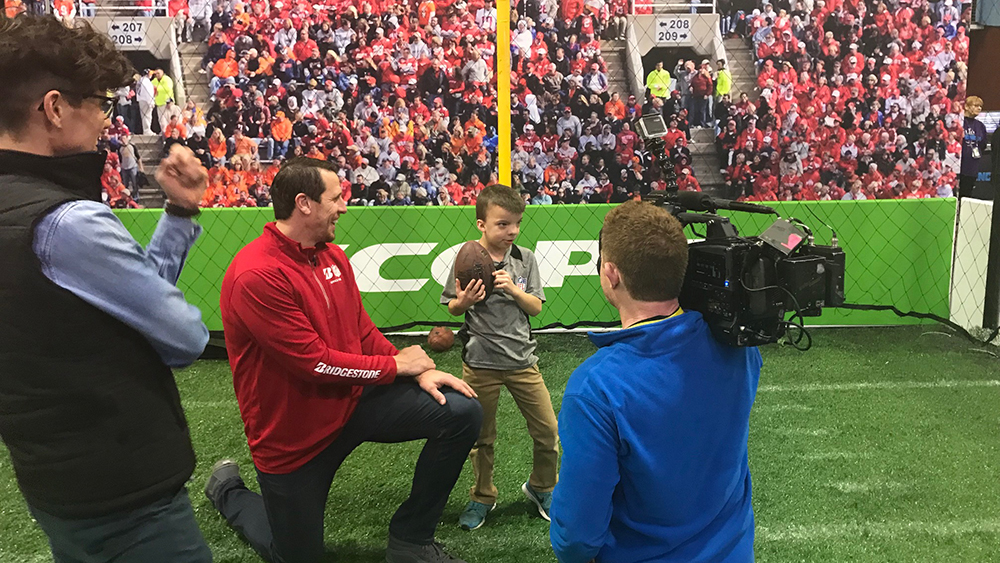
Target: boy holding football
499 351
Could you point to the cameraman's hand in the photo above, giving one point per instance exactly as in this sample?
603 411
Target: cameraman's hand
182 177
412 361
472 294
433 380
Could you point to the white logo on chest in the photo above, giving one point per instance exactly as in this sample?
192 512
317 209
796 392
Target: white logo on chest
332 274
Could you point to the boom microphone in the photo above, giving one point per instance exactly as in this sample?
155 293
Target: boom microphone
698 201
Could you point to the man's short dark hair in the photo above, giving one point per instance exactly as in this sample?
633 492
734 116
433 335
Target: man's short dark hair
648 246
502 196
297 176
38 54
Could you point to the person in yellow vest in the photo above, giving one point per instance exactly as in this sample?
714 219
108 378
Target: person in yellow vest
723 80
723 85
164 90
658 81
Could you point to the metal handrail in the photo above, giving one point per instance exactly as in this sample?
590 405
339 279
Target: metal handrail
676 7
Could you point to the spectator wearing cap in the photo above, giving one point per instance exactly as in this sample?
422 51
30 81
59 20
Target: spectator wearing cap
596 81
569 122
686 182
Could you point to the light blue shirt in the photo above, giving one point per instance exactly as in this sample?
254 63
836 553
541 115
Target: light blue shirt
84 248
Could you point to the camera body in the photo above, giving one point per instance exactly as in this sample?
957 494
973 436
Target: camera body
745 287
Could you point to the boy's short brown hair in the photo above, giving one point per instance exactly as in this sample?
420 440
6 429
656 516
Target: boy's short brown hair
505 197
648 246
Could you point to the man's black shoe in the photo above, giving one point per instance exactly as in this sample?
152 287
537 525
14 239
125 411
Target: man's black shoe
224 470
400 551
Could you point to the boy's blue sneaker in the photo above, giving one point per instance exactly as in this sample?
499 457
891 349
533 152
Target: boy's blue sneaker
474 515
542 500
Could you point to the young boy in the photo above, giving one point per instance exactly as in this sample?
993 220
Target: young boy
500 352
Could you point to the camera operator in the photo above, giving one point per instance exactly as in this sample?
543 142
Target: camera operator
654 426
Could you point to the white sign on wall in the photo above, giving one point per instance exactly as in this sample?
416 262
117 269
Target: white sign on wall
675 30
129 34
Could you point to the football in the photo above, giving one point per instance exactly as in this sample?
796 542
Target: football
474 262
440 339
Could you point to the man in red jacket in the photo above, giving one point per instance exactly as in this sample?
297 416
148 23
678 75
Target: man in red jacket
314 379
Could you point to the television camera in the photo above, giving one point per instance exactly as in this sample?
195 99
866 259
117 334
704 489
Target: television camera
745 287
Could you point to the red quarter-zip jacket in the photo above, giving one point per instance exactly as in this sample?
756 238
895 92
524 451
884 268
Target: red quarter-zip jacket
301 347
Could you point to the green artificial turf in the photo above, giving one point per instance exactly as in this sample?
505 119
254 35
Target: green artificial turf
876 445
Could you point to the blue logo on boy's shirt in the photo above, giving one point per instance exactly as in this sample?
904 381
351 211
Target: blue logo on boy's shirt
522 284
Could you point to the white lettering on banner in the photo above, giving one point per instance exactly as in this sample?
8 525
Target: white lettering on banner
369 260
325 369
553 260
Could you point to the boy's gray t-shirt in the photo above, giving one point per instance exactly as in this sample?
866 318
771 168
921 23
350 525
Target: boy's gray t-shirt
497 333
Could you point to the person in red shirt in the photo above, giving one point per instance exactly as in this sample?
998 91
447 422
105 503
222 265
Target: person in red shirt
315 378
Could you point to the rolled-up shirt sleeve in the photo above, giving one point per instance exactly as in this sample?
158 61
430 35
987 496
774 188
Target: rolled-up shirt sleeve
85 249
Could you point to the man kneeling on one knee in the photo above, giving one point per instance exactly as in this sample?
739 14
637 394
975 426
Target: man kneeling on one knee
314 379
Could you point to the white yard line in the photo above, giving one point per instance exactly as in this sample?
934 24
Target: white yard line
782 408
791 388
802 431
865 486
882 530
830 456
878 385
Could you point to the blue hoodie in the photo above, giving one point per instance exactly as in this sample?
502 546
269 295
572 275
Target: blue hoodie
654 430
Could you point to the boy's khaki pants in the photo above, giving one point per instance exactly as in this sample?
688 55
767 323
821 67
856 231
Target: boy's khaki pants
532 398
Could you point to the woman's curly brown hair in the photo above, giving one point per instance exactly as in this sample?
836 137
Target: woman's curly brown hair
38 54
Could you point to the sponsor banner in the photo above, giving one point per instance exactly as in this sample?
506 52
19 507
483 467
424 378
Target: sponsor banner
898 253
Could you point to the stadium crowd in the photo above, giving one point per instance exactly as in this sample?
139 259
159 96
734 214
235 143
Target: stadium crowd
859 100
400 96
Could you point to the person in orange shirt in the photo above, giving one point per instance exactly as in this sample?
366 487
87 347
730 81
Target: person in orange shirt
215 194
425 12
175 125
13 8
615 108
473 141
314 152
474 121
224 68
244 146
217 147
281 132
219 173
238 177
272 170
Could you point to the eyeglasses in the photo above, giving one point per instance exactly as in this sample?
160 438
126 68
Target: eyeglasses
108 102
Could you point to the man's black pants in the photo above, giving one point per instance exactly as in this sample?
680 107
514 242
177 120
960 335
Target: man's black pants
285 523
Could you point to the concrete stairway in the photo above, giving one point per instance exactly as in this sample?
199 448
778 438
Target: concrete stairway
740 55
150 148
195 83
705 161
614 54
